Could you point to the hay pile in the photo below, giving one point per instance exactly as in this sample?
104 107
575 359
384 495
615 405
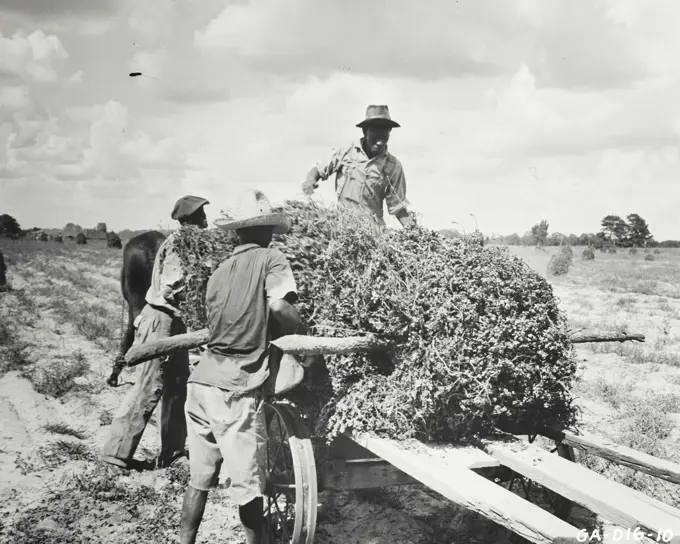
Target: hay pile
481 341
559 263
588 254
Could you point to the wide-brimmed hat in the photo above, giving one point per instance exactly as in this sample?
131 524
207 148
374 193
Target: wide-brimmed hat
378 115
252 209
186 206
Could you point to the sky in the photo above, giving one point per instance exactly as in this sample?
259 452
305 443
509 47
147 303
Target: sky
511 111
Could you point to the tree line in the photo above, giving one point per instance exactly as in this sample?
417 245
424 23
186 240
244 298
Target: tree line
633 231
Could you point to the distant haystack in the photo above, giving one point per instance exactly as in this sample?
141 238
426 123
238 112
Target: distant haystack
101 227
559 263
588 254
113 240
611 250
657 251
58 238
39 235
81 239
633 251
649 257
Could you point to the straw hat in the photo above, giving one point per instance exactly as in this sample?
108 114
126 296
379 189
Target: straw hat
253 209
378 115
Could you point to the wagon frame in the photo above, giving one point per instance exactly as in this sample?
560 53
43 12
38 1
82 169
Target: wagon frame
465 475
299 467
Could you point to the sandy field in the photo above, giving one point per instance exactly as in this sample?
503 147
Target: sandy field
60 323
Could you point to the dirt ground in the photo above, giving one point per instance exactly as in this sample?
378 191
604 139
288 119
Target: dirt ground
59 328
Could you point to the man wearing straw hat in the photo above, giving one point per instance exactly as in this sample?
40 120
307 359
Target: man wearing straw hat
225 394
162 379
366 174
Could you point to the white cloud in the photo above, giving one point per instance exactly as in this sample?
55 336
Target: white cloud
35 56
153 21
76 78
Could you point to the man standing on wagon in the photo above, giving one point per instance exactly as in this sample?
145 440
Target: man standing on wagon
366 173
163 379
225 396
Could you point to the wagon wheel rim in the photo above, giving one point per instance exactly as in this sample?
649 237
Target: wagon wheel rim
560 505
291 490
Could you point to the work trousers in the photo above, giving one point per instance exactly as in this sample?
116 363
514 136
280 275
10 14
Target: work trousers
164 380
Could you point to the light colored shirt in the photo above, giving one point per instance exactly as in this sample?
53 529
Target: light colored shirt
167 279
367 182
237 301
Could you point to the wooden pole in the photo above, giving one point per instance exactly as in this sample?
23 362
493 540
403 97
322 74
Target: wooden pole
615 337
293 344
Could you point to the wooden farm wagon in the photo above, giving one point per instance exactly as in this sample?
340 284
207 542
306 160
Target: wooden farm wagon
480 479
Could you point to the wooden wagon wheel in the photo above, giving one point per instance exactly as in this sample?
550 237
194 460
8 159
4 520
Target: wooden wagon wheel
561 506
291 493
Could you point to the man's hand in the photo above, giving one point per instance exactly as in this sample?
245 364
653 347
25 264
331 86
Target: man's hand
309 185
406 219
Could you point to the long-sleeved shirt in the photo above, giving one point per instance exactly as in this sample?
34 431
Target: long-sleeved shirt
167 279
367 182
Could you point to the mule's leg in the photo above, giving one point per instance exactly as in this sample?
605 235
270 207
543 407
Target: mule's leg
126 342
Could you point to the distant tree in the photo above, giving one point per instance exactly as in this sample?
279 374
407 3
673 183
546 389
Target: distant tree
101 227
556 239
539 233
638 231
9 226
614 229
72 230
512 239
573 240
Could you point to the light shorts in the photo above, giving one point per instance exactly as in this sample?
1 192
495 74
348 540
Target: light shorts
227 428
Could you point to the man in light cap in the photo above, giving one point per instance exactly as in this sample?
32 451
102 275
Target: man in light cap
249 300
164 378
366 174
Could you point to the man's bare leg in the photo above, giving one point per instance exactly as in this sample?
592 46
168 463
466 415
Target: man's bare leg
192 514
252 520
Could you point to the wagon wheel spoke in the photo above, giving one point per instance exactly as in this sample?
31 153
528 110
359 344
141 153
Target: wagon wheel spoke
291 478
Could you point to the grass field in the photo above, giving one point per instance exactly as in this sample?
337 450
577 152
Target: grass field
60 324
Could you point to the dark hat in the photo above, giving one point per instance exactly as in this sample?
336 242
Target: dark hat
378 115
186 206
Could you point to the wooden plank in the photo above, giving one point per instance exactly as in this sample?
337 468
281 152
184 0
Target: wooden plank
622 455
362 474
472 491
613 501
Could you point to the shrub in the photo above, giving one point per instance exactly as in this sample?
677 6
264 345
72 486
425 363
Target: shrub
588 254
649 257
559 263
480 341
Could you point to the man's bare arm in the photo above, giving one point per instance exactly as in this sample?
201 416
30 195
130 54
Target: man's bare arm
288 317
